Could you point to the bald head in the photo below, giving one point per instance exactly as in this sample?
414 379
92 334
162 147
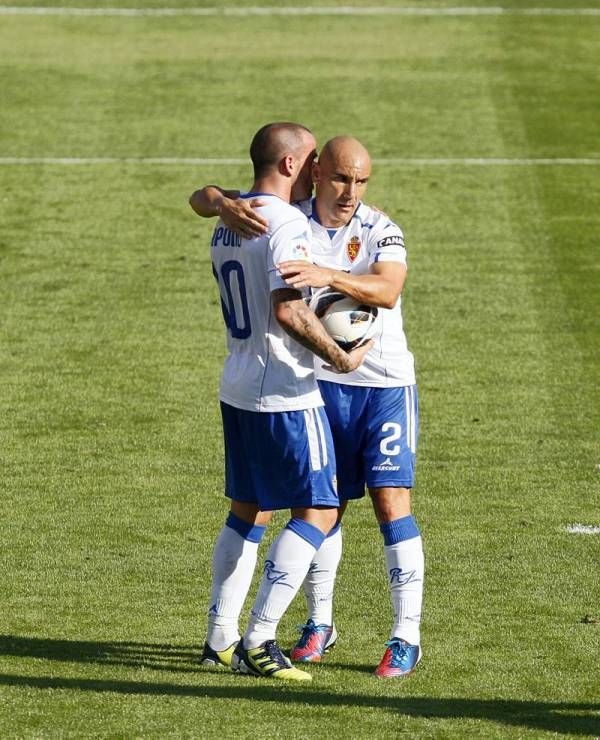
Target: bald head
341 177
345 151
275 141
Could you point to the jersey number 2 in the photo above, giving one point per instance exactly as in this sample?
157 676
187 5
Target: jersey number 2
234 302
385 445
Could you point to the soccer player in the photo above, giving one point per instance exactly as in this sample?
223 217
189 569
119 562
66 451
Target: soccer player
373 411
278 449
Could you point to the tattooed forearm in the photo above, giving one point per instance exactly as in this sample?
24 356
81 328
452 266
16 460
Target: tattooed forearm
302 324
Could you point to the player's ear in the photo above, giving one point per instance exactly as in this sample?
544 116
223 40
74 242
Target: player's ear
288 165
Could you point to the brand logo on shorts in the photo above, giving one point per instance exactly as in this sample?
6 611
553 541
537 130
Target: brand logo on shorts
353 248
386 465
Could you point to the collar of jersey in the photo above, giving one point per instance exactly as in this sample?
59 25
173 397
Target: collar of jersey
260 195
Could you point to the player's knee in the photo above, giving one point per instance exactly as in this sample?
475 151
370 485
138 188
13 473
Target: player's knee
326 519
263 518
250 513
390 503
332 519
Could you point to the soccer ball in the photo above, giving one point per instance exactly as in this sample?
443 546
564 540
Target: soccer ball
347 321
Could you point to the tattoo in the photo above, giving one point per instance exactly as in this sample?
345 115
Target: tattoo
303 326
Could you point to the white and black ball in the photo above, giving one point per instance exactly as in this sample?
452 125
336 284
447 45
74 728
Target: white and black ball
347 321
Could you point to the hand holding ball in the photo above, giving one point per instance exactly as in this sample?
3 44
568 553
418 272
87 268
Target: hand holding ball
347 321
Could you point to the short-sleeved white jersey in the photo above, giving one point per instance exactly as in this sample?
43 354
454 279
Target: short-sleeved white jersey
265 370
369 237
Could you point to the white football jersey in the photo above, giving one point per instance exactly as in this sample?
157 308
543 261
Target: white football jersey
369 237
265 370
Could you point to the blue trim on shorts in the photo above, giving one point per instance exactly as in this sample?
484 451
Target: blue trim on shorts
250 532
308 532
399 530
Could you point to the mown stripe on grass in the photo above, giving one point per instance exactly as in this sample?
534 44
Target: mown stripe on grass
317 10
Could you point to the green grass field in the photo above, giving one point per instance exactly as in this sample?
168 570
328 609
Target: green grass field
111 345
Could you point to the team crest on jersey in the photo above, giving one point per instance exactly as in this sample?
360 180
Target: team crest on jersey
353 248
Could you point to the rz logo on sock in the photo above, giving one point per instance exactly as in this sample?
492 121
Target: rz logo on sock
276 576
402 579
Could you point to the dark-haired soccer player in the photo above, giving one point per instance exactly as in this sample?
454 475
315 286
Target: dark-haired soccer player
278 449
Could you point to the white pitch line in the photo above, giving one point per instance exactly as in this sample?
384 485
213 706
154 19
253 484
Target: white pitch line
582 529
488 161
303 11
390 161
120 160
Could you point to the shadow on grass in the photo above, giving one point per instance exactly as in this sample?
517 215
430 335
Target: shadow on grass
563 717
177 658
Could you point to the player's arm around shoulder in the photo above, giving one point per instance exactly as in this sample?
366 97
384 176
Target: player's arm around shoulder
237 213
301 323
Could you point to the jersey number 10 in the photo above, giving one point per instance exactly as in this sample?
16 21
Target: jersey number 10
234 302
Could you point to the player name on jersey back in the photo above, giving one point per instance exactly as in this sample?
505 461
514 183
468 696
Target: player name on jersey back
224 237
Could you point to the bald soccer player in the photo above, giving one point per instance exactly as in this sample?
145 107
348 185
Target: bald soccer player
278 449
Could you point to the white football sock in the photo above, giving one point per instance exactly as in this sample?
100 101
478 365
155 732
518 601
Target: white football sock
320 579
406 569
286 566
234 560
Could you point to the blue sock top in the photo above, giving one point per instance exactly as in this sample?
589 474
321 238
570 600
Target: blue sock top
399 530
250 532
308 532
